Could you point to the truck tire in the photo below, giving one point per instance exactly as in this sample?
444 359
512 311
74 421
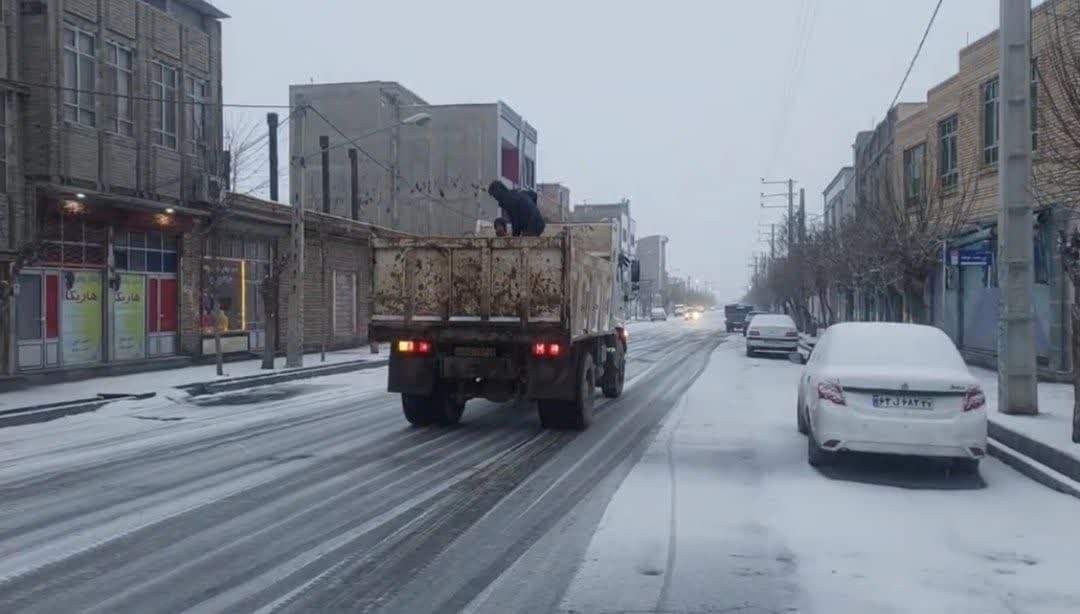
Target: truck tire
417 409
552 414
581 409
446 410
614 375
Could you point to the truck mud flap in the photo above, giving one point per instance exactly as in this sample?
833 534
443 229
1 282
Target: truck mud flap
412 374
552 380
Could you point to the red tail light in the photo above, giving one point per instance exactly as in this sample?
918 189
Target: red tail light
831 391
974 399
754 333
408 346
791 334
550 350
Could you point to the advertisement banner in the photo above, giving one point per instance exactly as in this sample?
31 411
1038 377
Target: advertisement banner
129 318
80 322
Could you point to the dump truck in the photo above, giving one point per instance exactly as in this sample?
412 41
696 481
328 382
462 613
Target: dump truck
500 318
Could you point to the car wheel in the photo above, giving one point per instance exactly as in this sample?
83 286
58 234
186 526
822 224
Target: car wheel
815 454
966 466
749 352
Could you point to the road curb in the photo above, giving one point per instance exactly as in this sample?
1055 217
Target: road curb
251 381
1033 469
34 414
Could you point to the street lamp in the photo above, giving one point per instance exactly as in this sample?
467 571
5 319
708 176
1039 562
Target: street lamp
420 119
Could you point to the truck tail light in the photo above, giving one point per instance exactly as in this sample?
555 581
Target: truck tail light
547 350
409 346
974 399
831 391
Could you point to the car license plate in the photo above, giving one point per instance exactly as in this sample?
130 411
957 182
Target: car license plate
474 352
902 401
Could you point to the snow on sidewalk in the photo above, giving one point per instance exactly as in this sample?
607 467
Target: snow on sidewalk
1052 426
158 381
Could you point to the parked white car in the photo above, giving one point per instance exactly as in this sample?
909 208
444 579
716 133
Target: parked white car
894 389
771 332
657 313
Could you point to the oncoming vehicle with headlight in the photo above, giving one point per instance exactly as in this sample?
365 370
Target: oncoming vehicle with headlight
890 388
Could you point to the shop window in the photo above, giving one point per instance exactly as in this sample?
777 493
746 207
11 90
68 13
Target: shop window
140 251
29 308
72 241
233 282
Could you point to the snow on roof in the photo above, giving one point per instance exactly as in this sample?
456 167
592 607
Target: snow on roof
892 344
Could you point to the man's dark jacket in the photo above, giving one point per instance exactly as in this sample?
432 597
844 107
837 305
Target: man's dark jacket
524 215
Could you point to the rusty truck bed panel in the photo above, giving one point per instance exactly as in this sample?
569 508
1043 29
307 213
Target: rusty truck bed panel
519 282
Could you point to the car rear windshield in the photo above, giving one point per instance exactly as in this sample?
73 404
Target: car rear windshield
892 345
773 320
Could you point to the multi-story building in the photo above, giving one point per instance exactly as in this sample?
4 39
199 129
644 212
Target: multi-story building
839 197
652 254
421 168
112 123
626 230
554 201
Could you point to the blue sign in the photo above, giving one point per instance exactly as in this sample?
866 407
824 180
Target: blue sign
975 257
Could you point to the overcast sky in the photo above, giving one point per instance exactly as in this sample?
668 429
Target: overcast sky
678 106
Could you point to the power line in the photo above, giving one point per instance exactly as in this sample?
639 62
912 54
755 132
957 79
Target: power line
916 56
180 99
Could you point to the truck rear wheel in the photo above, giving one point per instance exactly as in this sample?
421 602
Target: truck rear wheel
614 375
577 414
417 409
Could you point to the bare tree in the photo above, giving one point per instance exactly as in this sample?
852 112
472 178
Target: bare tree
1056 172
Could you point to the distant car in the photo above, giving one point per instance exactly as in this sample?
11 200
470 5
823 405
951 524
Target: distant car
771 332
891 388
735 316
657 313
691 314
679 310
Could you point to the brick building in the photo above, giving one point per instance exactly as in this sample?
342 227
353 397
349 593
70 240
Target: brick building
554 201
113 140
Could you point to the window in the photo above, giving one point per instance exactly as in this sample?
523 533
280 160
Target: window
119 62
948 167
990 121
235 284
510 166
196 94
72 240
79 68
153 252
530 172
1034 104
163 88
3 142
914 170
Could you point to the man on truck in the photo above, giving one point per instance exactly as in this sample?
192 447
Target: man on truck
524 214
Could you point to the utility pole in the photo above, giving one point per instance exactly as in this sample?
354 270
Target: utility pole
294 345
354 184
1017 384
772 242
272 126
802 215
395 142
790 194
324 145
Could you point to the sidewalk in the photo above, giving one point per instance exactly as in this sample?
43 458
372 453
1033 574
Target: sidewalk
159 381
1039 446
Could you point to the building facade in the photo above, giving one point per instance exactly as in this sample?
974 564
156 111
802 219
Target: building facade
619 213
554 201
114 137
424 176
652 254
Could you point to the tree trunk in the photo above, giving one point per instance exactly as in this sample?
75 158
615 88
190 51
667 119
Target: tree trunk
1076 363
219 359
269 298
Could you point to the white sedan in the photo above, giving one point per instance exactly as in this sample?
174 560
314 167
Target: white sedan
771 332
894 389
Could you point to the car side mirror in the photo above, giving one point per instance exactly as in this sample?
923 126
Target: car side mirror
635 271
797 358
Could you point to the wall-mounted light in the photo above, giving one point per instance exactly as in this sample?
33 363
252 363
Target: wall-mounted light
163 219
73 206
80 196
170 210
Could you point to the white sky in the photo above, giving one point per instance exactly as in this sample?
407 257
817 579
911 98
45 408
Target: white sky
676 105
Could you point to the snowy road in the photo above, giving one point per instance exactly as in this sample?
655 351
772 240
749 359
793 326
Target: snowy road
691 493
723 514
316 496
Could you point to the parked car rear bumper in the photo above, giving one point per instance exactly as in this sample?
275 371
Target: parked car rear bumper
962 436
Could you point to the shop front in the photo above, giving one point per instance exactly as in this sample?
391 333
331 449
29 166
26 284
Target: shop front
234 270
103 290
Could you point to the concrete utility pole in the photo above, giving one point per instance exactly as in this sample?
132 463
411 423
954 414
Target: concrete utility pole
790 183
1016 276
324 147
354 184
802 215
272 126
294 343
395 147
